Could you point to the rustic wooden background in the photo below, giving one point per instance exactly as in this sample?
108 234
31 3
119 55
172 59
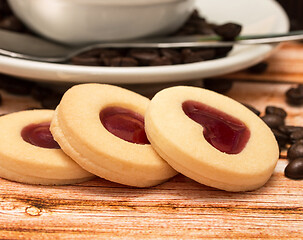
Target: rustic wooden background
177 209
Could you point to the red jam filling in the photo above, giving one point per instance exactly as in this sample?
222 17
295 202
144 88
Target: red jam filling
222 131
39 135
125 124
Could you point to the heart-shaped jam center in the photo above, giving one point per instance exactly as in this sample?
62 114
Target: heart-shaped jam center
125 124
222 131
39 135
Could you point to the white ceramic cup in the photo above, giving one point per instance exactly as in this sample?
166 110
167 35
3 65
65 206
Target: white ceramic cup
88 21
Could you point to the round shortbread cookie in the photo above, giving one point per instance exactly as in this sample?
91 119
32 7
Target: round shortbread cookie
181 142
77 128
24 162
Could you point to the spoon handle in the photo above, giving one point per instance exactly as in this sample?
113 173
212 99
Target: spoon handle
198 41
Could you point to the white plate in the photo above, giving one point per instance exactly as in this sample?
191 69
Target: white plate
258 16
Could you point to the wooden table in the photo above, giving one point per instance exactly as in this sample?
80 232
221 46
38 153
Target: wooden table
177 209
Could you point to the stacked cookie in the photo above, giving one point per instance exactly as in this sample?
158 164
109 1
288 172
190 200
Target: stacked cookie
124 137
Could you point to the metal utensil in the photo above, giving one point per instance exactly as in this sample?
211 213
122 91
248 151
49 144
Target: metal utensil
28 47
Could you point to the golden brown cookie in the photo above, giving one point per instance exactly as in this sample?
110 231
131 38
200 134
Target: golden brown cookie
87 123
29 154
233 149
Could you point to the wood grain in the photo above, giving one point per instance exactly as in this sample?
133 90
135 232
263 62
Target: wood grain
177 209
283 66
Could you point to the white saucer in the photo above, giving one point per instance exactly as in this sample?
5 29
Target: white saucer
256 17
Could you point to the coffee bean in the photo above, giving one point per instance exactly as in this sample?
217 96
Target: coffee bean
160 61
281 137
228 31
222 51
206 54
85 60
294 169
172 54
295 151
123 62
190 56
218 85
39 93
109 53
296 136
258 68
294 96
195 25
51 101
276 111
15 86
272 120
144 56
288 129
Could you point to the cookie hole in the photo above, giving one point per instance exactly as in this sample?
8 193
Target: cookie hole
125 124
39 135
224 132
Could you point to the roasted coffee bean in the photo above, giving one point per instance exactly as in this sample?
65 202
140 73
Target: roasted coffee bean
194 55
296 136
222 51
294 169
218 85
294 96
281 137
160 61
228 31
258 68
109 53
85 61
39 92
206 54
295 151
288 129
195 25
172 54
15 86
251 108
88 58
273 121
51 101
276 111
144 56
123 62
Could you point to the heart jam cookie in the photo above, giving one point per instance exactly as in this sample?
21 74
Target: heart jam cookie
102 128
29 154
211 138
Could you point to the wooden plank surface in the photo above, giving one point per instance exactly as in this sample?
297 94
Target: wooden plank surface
285 65
177 209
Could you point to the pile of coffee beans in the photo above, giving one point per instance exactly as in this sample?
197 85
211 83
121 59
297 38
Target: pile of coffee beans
48 98
160 57
288 137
